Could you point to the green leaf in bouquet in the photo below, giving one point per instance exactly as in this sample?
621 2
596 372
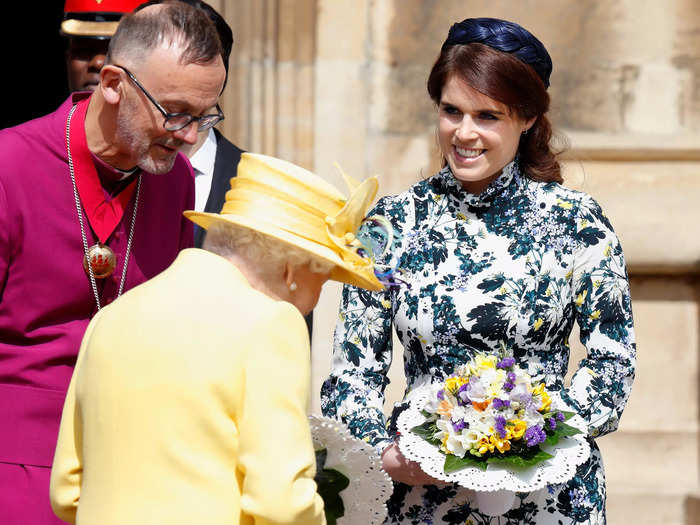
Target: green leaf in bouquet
552 439
427 431
562 430
321 455
520 461
565 430
427 415
330 483
455 463
567 415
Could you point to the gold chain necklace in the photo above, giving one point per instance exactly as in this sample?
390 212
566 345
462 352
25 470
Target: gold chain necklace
99 260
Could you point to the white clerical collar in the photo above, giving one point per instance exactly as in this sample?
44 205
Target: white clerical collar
203 160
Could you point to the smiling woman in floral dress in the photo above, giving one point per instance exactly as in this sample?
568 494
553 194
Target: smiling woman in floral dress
494 251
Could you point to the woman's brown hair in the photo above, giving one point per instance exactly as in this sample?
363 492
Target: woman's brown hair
504 78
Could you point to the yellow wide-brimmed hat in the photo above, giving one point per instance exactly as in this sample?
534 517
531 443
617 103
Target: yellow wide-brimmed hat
287 202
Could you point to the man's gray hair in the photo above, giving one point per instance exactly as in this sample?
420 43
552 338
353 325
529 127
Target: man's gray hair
264 253
169 23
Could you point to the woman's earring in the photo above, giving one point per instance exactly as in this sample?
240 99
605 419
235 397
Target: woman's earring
293 287
525 132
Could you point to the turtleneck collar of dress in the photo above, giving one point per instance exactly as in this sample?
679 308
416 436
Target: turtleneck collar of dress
509 175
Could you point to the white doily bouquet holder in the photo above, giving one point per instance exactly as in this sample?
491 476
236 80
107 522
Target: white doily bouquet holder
370 487
494 488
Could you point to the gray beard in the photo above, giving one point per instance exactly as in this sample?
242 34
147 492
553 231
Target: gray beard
139 147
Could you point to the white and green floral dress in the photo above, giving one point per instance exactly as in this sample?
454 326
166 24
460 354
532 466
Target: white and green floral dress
516 264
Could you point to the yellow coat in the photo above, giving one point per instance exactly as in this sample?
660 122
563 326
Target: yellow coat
188 406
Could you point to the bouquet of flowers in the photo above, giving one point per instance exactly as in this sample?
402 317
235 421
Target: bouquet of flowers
349 475
489 428
490 412
330 483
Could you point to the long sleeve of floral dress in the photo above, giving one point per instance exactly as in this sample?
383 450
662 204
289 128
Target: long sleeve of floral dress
354 393
601 386
515 265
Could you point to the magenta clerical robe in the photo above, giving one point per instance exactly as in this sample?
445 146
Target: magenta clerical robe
46 300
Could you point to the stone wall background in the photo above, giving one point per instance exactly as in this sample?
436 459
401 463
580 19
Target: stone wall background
319 81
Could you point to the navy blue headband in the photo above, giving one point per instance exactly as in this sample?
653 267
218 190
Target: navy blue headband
505 36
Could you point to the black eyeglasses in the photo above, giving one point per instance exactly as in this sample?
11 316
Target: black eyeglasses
178 121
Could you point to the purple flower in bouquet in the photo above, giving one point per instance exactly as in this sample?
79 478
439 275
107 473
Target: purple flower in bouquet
523 397
463 394
534 436
556 418
499 404
506 363
460 425
501 426
510 382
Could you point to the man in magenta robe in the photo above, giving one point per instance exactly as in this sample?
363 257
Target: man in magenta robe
91 201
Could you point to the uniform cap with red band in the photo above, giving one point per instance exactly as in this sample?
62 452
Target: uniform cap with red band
94 18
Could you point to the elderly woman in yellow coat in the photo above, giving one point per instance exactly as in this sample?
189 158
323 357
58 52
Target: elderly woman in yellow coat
188 401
